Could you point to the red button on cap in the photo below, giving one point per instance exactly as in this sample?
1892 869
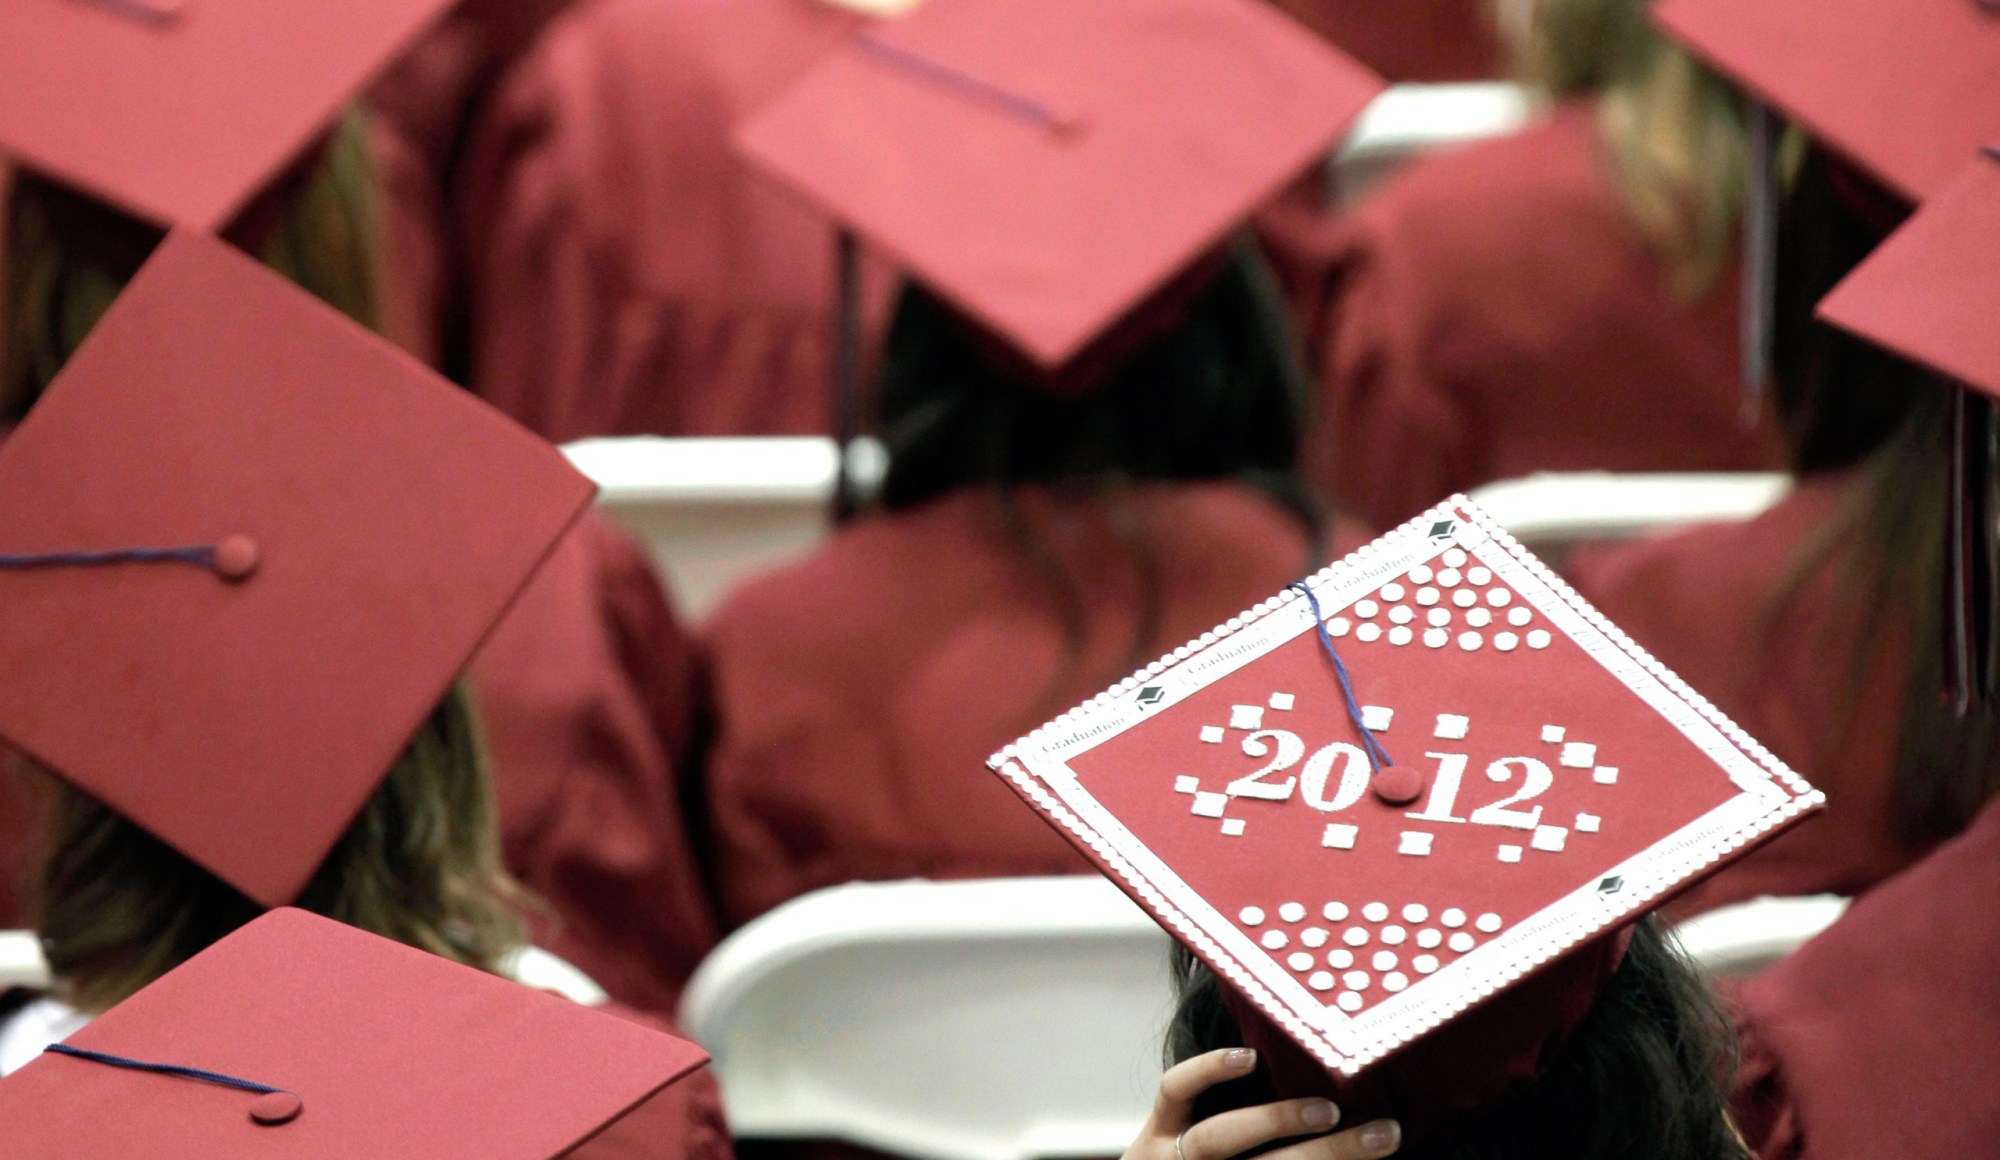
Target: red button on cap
274 1108
1398 785
236 558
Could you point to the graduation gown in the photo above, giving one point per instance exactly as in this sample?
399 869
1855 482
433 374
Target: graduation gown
1881 1037
1492 311
17 831
1700 600
586 692
859 692
1411 40
628 274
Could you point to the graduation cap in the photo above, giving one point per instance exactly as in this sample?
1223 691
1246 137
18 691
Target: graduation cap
246 547
1382 801
300 1037
179 111
1904 91
1048 165
1931 293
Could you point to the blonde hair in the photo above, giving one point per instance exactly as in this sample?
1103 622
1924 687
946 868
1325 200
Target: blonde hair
68 255
116 907
1674 132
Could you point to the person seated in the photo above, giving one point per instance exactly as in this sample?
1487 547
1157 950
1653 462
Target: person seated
274 717
1562 298
1090 441
1297 798
1817 625
587 685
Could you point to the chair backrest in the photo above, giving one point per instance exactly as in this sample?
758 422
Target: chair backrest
713 510
1006 1019
1413 119
1742 940
21 961
1549 511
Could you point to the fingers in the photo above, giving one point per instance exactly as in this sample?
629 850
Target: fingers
1189 1078
1370 1141
1235 1132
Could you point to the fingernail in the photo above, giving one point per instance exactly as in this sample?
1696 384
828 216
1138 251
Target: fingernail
1319 1114
1241 1057
1381 1137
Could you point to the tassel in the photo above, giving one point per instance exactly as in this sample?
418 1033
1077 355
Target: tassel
846 367
1971 666
1760 258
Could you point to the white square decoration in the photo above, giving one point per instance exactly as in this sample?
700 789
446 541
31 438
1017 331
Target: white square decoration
1549 838
1414 842
1246 716
1376 718
1452 727
1213 734
1281 702
1339 836
1210 805
1577 755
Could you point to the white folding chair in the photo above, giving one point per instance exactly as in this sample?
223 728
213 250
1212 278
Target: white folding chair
1007 1019
21 961
713 510
1549 511
1408 120
1743 939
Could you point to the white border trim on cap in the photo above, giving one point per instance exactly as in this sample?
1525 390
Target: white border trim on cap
1038 765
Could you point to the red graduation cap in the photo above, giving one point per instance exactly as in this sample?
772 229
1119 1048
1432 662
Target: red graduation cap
178 111
1905 89
362 1046
1565 783
1048 164
385 518
1931 292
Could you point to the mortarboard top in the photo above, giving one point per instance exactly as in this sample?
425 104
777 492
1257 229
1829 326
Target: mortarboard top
1904 89
1568 784
393 519
1931 292
1046 164
389 1051
179 111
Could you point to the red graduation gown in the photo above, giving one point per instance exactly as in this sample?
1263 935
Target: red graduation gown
17 831
586 691
1881 1037
1698 599
1492 311
859 692
628 273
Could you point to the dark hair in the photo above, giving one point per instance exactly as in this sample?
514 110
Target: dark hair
1215 391
1219 393
1846 403
1645 1076
116 907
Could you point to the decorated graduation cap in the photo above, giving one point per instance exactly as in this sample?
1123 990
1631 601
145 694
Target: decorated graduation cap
1385 802
1903 91
246 547
1930 293
298 1036
1048 165
179 111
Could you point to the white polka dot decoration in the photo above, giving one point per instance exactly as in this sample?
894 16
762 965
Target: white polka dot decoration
1451 606
1357 952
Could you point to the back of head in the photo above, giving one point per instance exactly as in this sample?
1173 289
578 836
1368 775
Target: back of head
69 254
117 908
1644 1076
1204 383
1673 131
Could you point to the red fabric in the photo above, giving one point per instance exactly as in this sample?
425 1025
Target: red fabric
422 108
1410 40
1699 600
683 1122
1491 312
860 692
628 273
1878 1037
17 831
586 694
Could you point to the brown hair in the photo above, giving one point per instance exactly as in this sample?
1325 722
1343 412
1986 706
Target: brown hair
117 908
69 255
1674 132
